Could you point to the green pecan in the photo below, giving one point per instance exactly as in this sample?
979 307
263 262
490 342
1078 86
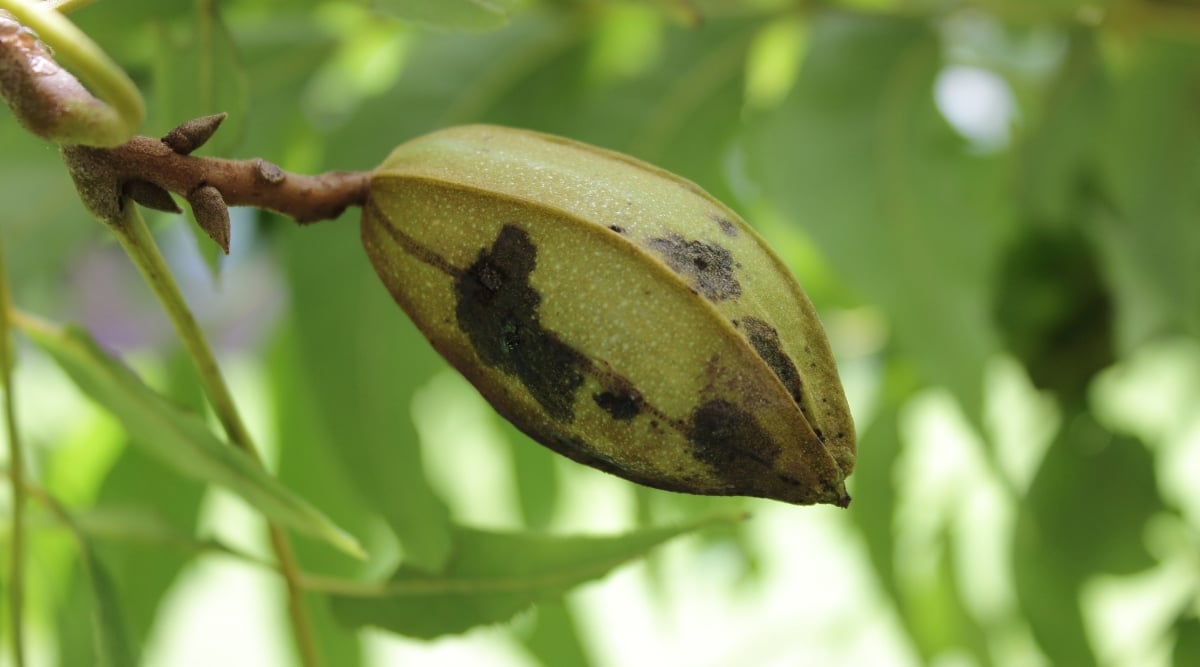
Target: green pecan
614 312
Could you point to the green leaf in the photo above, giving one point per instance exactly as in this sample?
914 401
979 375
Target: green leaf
42 217
198 72
111 644
146 526
453 78
859 157
875 492
1092 497
1085 514
1187 642
929 609
1150 152
141 504
361 361
1057 155
1048 593
680 109
448 14
178 438
309 465
112 641
535 474
1049 10
122 28
555 639
1055 311
491 576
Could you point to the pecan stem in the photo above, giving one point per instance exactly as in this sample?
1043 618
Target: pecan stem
101 175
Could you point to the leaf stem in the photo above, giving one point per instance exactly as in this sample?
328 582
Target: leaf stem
16 459
135 237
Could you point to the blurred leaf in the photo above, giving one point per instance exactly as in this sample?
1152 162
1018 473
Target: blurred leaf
945 621
1187 642
146 501
874 489
680 110
555 640
363 361
179 438
1084 514
1057 156
535 473
44 224
930 609
684 113
198 72
280 53
1092 497
448 14
146 526
308 464
1151 166
111 646
1055 311
859 157
121 27
1048 592
491 576
1049 10
112 642
448 79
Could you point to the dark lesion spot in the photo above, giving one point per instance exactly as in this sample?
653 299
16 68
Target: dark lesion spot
726 225
498 310
731 441
617 228
765 340
621 400
708 267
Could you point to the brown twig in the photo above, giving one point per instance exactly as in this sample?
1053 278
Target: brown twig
52 102
146 169
45 98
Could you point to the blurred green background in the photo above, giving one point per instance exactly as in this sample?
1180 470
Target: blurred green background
995 207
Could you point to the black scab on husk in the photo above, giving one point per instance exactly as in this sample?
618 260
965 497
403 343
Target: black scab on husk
765 340
726 225
621 401
708 267
731 441
498 310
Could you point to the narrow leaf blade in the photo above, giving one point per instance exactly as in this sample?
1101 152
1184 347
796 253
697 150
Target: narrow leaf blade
113 648
179 438
493 576
1187 642
111 645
